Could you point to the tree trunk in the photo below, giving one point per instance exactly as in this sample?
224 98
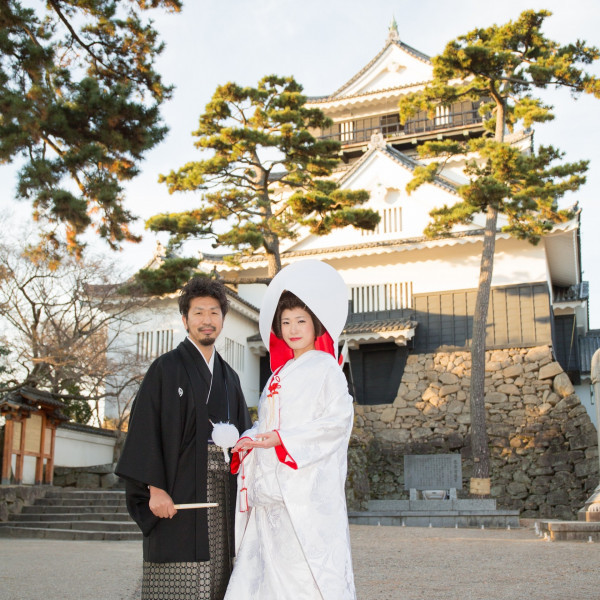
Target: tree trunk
480 480
479 437
274 263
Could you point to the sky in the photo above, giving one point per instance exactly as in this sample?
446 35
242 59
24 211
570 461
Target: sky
323 43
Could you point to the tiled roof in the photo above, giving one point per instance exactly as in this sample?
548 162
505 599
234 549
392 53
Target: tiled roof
373 326
28 399
379 325
233 294
220 258
89 429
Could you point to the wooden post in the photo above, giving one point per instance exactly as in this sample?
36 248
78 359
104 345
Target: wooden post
21 455
7 453
50 464
39 461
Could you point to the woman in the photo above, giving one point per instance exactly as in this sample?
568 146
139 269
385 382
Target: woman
292 524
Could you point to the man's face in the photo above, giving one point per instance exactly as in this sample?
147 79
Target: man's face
204 320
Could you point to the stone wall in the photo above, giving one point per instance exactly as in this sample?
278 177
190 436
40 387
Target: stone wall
14 497
544 454
98 476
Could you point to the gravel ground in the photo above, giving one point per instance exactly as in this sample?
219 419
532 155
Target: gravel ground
391 563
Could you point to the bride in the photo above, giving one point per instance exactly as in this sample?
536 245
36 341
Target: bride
292 533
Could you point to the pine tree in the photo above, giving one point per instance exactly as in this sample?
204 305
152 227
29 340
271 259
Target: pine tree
501 66
259 144
79 107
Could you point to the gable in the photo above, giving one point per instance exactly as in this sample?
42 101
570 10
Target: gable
403 216
394 67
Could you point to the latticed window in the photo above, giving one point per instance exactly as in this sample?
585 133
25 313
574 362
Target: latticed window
151 344
381 296
391 222
233 353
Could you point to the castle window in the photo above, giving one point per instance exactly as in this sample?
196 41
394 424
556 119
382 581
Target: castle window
233 353
391 222
151 344
382 296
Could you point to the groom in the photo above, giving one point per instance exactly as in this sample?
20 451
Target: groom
168 457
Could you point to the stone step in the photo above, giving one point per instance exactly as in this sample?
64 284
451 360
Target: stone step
92 525
571 531
437 518
69 534
80 502
84 494
63 509
43 516
460 504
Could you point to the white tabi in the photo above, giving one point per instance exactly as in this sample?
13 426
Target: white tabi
294 541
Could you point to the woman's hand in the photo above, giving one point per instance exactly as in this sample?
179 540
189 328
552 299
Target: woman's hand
161 503
269 439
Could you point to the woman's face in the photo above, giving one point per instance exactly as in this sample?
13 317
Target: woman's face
298 330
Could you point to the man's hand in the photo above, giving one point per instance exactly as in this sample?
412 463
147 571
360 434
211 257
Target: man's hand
269 439
161 503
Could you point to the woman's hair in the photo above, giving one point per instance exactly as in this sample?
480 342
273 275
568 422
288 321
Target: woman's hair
202 287
287 300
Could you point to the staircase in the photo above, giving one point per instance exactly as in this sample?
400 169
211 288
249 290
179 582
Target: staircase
74 515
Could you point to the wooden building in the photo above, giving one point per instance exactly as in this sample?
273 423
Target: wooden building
31 418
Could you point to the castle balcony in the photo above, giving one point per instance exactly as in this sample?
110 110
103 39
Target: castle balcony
458 119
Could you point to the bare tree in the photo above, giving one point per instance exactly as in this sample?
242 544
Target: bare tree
63 325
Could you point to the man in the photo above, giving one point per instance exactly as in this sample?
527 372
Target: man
168 457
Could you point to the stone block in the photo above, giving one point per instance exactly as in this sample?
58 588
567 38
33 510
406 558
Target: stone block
431 410
499 356
407 412
538 353
410 378
495 397
388 415
550 370
522 477
448 378
400 402
544 408
531 399
557 497
567 403
88 480
412 395
429 393
583 441
397 436
562 385
586 468
455 407
419 433
513 371
109 480
446 390
517 489
491 367
509 389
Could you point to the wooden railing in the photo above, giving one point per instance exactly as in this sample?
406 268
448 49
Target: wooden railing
361 130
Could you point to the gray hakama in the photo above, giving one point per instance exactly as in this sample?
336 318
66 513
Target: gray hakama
199 580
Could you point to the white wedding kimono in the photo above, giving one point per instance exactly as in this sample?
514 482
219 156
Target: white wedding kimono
293 542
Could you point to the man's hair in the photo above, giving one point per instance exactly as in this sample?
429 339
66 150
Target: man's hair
202 287
287 300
